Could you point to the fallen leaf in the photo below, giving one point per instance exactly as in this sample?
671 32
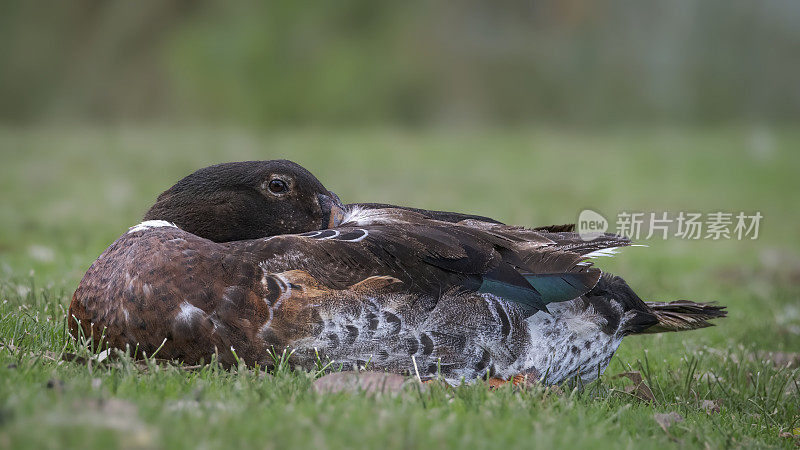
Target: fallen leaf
636 377
368 382
666 420
639 389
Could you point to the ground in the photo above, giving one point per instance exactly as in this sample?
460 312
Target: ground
68 193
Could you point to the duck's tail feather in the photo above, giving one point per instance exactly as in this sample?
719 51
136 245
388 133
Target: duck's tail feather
626 313
682 315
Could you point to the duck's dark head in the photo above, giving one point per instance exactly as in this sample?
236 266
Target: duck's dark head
248 200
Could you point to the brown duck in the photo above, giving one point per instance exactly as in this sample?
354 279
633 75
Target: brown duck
243 260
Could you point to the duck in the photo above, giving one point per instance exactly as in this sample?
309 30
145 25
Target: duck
243 261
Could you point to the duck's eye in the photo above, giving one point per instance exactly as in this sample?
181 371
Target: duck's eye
277 186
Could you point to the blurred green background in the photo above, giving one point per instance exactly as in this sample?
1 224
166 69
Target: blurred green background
411 63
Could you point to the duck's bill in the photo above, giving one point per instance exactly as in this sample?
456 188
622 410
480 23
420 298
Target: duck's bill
332 210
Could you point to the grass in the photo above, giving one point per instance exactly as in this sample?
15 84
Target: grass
68 193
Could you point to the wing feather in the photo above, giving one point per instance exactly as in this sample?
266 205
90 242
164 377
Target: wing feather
529 267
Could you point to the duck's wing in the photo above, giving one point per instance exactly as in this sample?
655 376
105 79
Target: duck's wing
528 267
444 216
454 217
562 237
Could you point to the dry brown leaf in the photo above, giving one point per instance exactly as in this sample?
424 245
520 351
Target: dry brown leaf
636 377
639 389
